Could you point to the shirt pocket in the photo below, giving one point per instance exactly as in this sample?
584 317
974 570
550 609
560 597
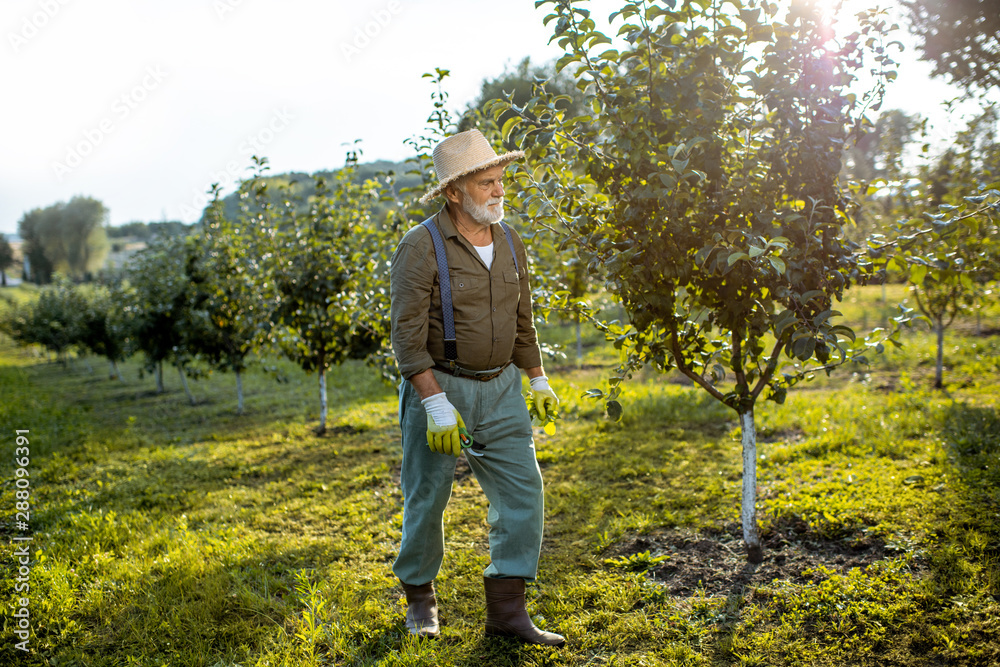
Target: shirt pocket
466 298
511 292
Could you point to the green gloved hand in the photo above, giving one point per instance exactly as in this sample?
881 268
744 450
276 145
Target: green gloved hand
543 402
443 424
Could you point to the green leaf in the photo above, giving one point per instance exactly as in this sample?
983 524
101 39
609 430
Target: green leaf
760 33
784 320
615 410
845 331
737 256
599 38
917 274
778 264
757 252
509 126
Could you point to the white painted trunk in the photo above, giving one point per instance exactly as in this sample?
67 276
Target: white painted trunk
322 401
239 392
579 343
187 389
159 378
751 531
117 371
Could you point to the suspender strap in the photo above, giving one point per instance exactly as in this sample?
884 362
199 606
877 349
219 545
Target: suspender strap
444 279
510 242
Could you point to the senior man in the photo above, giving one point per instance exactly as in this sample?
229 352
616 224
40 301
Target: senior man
461 329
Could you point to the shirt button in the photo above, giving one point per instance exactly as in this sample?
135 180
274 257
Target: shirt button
461 284
494 309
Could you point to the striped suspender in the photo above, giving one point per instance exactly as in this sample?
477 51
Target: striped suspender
444 278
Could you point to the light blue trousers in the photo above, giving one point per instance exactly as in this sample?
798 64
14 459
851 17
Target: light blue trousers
495 414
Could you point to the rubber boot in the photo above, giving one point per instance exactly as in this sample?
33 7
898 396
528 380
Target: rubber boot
507 617
421 610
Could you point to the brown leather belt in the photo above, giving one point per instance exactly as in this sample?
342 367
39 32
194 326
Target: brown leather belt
482 376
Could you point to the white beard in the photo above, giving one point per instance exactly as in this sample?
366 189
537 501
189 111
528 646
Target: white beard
482 214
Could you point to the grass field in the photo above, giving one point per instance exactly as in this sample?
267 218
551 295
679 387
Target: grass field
165 534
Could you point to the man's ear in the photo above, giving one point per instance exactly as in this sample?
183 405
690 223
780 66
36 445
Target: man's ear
453 194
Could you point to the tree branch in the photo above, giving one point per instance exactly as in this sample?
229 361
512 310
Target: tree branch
675 347
768 373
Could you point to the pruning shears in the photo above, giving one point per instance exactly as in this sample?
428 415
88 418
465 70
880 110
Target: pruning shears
468 444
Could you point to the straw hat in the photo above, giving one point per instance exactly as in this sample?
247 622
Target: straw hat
461 154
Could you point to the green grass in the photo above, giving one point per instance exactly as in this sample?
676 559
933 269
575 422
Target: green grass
166 534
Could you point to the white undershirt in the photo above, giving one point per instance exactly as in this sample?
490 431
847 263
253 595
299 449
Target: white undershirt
486 252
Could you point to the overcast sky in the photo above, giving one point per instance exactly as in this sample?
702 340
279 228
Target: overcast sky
144 104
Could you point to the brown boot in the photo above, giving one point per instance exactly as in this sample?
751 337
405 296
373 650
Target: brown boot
421 610
507 617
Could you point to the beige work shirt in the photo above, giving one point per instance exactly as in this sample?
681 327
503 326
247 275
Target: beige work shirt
493 323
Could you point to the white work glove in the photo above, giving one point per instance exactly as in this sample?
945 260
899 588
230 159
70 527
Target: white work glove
543 401
443 424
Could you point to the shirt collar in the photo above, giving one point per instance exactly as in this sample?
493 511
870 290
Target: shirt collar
448 227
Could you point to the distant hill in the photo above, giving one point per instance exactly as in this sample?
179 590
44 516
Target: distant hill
302 186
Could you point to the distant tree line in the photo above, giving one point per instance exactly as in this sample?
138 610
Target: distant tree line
6 260
305 279
146 231
67 238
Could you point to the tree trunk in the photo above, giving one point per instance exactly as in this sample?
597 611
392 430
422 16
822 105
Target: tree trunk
116 372
939 366
184 381
239 392
159 377
579 343
885 314
979 320
3 279
322 403
751 531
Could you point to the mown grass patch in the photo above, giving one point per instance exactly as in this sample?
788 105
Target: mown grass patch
167 534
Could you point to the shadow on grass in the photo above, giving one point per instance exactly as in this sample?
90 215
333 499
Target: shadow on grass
269 403
186 613
972 436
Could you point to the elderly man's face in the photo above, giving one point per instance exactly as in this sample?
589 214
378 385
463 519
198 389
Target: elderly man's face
482 195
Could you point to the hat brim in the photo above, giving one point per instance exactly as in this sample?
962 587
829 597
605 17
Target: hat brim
504 159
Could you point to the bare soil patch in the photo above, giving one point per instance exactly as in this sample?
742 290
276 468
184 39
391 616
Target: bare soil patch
716 563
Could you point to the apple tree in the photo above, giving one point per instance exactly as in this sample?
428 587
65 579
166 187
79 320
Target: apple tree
159 288
232 298
701 187
949 247
319 265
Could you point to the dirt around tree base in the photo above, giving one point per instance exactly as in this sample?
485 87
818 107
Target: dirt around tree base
716 562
